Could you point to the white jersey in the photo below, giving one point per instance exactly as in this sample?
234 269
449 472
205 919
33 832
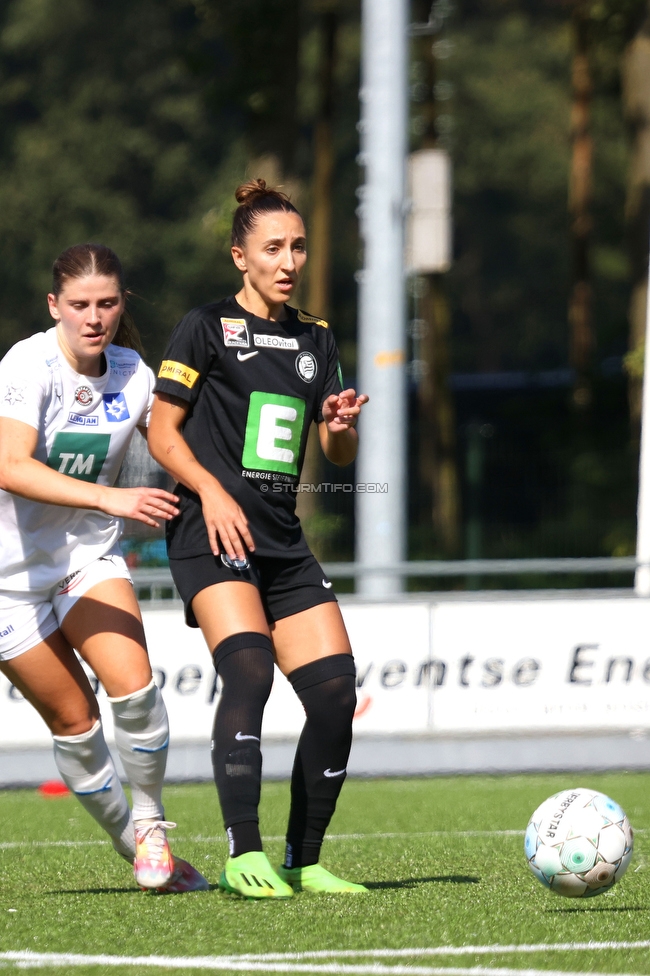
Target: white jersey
84 426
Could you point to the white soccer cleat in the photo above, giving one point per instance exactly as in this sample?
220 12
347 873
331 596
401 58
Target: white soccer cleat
153 866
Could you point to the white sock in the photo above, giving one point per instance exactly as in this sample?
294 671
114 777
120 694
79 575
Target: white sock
142 737
87 769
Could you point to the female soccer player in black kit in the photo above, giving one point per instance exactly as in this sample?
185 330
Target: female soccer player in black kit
241 382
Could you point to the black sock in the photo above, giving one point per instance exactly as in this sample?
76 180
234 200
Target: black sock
244 663
243 837
326 688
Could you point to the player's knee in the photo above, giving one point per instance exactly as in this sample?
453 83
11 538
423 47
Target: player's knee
245 660
327 686
338 695
69 723
133 684
138 707
347 695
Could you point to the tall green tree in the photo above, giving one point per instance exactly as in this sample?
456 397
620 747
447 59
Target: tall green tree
132 123
636 101
511 162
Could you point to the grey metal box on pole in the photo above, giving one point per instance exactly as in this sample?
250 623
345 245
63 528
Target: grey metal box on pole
381 467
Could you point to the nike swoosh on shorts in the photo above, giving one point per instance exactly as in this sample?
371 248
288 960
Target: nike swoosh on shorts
241 356
329 773
240 737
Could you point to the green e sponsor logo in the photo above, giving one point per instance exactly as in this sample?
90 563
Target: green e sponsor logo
273 433
79 455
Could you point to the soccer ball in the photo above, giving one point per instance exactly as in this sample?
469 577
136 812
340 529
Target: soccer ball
578 843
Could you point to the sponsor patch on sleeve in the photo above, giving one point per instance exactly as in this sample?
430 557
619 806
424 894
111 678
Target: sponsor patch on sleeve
169 370
304 317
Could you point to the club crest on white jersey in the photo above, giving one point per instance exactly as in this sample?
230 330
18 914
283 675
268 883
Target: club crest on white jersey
115 407
83 395
235 333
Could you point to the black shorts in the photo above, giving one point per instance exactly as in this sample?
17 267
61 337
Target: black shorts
286 586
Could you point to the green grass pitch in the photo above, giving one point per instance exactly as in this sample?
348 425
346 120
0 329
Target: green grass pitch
443 858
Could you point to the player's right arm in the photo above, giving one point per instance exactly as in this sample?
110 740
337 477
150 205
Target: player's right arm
224 519
22 474
192 350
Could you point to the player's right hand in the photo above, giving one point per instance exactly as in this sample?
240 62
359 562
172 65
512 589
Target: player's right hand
226 523
142 504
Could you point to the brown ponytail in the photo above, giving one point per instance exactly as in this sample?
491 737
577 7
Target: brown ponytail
127 334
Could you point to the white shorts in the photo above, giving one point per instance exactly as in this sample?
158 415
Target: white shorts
26 619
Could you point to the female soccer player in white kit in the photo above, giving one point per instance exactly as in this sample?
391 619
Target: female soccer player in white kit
70 400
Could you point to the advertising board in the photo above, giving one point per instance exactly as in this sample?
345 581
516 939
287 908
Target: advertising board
431 667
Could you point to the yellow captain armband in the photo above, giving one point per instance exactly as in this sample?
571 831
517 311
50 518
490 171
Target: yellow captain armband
169 370
304 317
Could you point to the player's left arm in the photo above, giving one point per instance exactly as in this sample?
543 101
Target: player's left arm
338 438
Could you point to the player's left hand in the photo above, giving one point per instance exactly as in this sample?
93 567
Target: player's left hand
341 412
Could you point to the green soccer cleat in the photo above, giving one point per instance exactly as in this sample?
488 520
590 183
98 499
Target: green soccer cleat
251 876
317 878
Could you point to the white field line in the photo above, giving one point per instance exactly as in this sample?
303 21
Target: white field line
8 844
384 835
36 960
432 833
481 950
200 839
291 962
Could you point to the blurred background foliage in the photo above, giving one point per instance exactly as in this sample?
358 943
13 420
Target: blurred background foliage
133 123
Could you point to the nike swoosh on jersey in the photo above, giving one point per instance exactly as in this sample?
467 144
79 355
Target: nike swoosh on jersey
328 586
329 773
241 356
240 737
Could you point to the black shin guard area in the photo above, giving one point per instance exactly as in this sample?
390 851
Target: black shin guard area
244 663
327 691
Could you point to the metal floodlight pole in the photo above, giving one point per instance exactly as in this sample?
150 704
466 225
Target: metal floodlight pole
642 576
381 467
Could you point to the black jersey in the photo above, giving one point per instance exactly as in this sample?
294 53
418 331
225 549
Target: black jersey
253 387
